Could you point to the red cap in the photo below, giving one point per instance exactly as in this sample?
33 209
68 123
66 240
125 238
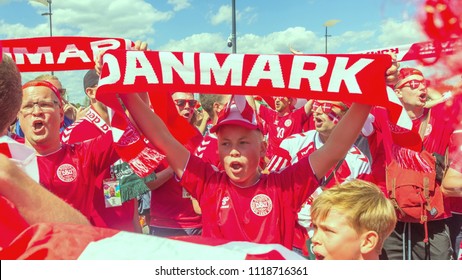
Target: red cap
237 112
47 84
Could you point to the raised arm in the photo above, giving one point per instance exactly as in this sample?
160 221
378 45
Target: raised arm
154 129
308 106
35 203
340 141
255 105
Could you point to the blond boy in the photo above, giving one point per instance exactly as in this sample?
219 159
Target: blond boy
351 222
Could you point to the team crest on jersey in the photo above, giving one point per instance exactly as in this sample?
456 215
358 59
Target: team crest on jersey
261 205
288 123
66 173
224 202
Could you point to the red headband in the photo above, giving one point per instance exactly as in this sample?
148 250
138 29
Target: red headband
406 72
44 84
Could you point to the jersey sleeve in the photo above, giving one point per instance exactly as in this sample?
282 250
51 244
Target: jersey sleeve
197 176
281 159
100 152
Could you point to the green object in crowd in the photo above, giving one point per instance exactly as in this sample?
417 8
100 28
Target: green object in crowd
131 185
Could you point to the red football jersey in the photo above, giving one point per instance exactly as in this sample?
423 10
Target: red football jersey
120 217
171 205
208 150
263 213
71 172
281 127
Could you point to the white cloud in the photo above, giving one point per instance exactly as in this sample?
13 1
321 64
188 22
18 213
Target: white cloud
394 33
276 42
202 42
223 15
179 5
131 19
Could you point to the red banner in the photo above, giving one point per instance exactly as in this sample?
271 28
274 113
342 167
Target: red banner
426 52
60 52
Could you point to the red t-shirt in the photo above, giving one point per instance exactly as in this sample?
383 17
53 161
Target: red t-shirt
263 213
171 205
72 171
119 217
281 127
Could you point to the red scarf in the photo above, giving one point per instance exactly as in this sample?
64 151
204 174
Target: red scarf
347 78
60 52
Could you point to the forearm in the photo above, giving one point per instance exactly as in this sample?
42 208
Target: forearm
252 103
203 124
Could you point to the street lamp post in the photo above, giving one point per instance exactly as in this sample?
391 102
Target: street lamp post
233 36
329 23
47 3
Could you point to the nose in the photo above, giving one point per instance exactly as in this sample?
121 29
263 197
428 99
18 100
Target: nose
315 238
318 110
36 105
234 152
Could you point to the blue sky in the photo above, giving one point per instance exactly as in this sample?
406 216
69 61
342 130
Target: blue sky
263 26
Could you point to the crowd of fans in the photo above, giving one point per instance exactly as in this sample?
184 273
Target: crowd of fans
307 174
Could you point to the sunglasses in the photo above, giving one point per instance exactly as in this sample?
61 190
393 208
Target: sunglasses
327 108
182 102
414 84
278 97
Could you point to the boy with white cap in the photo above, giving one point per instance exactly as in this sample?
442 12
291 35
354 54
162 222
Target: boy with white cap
240 203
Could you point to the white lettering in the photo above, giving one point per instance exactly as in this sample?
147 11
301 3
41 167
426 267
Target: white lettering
232 66
34 58
103 45
169 62
298 72
341 73
114 70
274 73
145 69
72 51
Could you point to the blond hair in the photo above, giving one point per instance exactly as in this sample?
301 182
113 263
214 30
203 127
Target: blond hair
364 205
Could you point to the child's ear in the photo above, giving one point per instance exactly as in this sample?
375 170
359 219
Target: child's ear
398 93
369 242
